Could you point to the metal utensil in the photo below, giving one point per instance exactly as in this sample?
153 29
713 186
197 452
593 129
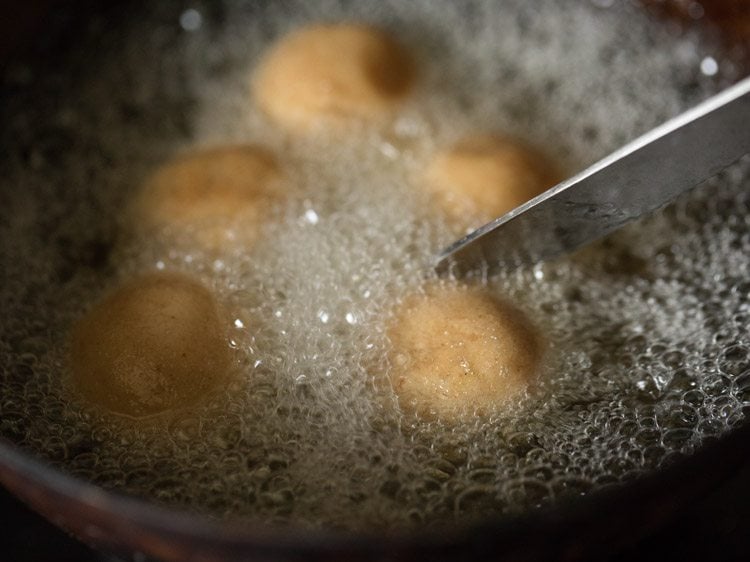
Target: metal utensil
633 181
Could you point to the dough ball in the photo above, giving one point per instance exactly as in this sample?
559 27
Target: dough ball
218 195
483 177
456 351
155 344
336 72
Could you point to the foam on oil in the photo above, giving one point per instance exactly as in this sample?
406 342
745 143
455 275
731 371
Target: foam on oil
650 352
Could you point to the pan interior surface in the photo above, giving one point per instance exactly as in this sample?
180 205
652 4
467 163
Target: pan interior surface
648 351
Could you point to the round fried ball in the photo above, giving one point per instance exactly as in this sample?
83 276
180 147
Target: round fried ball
330 73
218 195
486 176
458 350
155 344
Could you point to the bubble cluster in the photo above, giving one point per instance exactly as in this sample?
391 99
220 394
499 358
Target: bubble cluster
649 351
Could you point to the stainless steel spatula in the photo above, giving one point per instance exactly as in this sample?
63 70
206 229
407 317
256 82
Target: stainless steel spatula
633 181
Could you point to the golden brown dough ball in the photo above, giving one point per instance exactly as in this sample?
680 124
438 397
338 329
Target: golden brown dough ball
329 73
155 344
485 176
219 195
459 350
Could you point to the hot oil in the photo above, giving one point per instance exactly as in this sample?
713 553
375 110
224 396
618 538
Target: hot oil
648 349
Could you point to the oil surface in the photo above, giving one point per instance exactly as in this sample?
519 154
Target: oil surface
648 331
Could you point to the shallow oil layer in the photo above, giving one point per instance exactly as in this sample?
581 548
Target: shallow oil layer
648 330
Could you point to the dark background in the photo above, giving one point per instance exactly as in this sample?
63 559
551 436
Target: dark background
714 528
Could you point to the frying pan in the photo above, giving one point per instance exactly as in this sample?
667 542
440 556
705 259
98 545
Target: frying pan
585 528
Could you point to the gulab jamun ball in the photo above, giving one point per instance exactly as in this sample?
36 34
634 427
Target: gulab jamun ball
459 351
333 74
219 195
155 344
483 177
